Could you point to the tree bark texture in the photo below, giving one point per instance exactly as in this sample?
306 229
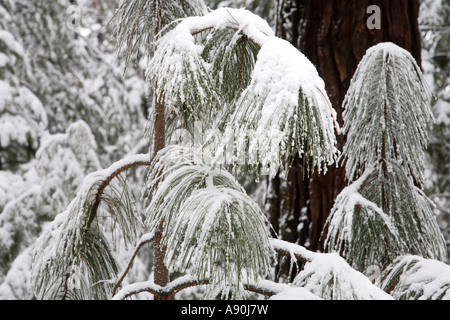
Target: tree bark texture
334 35
161 273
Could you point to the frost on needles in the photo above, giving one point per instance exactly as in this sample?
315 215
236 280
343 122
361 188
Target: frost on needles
383 213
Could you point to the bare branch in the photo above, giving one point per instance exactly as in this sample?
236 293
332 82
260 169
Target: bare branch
146 238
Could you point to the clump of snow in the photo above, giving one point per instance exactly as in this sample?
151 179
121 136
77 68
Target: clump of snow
330 277
284 111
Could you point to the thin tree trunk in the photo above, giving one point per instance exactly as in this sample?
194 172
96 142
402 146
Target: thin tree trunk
160 271
334 35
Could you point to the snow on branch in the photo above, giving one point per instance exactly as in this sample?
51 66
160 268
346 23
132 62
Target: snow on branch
415 278
359 230
293 250
73 242
283 112
325 276
264 287
330 277
169 291
383 213
275 106
177 67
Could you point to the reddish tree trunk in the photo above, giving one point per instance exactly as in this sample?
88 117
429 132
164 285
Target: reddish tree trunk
334 35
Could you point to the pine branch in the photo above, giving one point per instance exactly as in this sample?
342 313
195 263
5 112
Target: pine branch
107 180
415 278
73 241
264 287
211 226
387 113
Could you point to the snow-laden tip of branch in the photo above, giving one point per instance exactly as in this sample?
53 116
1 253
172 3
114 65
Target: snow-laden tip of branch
71 242
210 224
177 67
387 112
330 277
359 229
375 219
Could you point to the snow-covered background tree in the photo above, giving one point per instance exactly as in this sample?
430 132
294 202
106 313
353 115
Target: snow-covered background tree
228 102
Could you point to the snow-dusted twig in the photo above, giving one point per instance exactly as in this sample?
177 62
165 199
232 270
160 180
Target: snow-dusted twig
146 238
112 172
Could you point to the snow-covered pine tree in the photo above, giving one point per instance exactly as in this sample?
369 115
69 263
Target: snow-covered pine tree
258 103
197 85
384 213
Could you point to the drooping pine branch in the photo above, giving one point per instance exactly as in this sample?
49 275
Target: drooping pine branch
384 213
415 278
387 113
74 247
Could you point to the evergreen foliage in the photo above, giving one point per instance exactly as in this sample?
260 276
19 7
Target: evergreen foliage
385 213
211 228
80 239
139 22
